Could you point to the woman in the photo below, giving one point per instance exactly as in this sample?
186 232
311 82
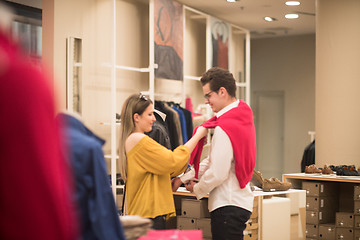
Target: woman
147 166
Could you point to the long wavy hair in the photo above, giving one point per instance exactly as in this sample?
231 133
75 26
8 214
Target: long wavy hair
136 103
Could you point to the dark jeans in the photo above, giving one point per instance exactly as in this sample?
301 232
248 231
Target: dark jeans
159 222
228 223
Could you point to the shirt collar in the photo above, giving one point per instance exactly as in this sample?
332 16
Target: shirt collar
227 108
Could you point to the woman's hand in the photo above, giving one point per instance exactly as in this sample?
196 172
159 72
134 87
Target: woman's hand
202 131
175 184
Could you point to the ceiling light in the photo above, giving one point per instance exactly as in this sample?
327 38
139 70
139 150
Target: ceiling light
269 19
292 16
292 3
232 0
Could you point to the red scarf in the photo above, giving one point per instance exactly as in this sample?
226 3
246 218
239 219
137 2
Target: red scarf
238 124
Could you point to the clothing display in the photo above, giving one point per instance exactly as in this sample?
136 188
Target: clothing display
160 132
98 212
170 122
35 180
308 156
178 122
148 187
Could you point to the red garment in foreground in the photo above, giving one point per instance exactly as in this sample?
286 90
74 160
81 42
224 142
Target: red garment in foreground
238 124
34 178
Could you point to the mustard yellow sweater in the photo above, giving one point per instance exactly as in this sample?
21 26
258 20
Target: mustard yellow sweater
148 186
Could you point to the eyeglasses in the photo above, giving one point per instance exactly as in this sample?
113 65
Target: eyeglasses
208 95
143 97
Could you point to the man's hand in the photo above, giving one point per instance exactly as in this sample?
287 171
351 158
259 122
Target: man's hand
175 184
190 186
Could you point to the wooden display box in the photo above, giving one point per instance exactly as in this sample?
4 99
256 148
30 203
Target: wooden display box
193 208
312 231
327 232
318 189
344 220
344 233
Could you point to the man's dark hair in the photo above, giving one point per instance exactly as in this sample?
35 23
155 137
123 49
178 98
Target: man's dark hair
217 78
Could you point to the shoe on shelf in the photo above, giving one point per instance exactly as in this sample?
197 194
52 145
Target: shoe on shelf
312 169
257 179
327 170
274 184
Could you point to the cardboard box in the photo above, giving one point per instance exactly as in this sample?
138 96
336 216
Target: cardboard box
193 208
327 231
185 223
205 225
357 234
357 221
312 231
319 217
321 203
250 235
357 207
344 220
317 189
344 233
357 192
177 203
251 225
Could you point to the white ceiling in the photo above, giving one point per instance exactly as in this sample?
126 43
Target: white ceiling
250 14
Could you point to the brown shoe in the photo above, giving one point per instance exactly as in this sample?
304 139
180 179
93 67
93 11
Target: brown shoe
274 184
327 170
257 179
312 169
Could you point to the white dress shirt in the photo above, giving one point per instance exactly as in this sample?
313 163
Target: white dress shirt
217 174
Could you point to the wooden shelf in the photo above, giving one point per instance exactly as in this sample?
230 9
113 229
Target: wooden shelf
321 177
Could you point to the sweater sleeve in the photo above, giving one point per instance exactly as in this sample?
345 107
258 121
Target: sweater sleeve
157 159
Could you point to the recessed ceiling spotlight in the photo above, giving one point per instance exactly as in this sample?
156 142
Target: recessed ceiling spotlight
270 19
232 0
292 3
292 16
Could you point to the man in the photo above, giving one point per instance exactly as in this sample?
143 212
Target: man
226 173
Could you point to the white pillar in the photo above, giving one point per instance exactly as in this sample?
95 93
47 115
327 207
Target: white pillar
337 109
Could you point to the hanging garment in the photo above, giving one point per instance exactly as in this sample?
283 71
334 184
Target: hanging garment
174 138
177 123
188 121
99 218
238 124
35 180
159 132
182 123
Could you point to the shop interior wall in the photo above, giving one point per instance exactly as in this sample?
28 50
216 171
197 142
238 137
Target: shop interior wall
92 21
288 64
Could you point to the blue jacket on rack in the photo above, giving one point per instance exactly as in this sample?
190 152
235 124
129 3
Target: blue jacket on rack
97 210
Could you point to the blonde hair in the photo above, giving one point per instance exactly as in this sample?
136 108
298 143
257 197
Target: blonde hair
136 103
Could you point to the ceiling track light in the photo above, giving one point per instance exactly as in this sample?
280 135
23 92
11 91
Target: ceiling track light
292 16
292 3
270 19
231 1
